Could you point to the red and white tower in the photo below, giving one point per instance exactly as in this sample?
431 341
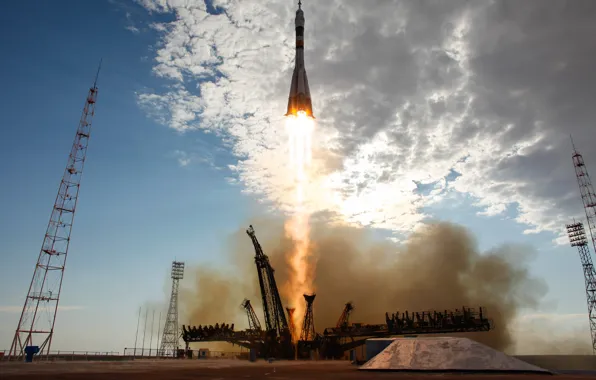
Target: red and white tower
36 324
587 193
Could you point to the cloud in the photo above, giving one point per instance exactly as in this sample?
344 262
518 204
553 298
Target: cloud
133 29
18 309
405 93
552 334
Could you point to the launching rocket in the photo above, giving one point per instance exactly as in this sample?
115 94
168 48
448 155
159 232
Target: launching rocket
299 100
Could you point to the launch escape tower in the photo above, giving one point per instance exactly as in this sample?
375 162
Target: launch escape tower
577 238
253 321
41 304
308 325
278 340
169 340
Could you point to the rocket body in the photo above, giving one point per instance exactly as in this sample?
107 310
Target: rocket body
299 99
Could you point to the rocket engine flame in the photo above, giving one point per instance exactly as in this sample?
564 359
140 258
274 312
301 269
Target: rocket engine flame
297 228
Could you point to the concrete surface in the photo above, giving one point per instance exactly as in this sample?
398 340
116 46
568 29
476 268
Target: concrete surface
224 369
562 362
445 354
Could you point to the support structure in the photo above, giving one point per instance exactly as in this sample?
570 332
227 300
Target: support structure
577 238
253 320
587 193
275 318
36 324
308 325
277 335
171 333
344 319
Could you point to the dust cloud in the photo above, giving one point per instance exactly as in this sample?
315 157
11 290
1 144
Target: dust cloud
439 267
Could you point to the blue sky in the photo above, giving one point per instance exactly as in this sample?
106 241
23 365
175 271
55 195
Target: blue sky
139 207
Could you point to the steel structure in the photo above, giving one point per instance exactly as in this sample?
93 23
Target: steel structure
275 319
171 333
344 319
277 340
253 321
308 325
587 193
38 316
334 342
577 238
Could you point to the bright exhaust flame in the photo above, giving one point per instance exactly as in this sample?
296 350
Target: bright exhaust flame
301 278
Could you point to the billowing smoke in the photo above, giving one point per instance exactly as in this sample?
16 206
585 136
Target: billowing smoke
439 267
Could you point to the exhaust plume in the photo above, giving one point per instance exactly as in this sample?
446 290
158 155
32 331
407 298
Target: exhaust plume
439 267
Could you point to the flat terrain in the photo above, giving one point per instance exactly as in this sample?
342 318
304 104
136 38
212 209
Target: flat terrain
221 369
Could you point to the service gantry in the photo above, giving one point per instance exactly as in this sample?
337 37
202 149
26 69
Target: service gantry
253 320
275 318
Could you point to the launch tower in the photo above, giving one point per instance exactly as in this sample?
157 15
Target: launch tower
278 341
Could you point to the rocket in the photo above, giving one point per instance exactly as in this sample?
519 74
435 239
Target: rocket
299 99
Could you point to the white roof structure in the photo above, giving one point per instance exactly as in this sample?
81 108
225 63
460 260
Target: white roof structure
447 354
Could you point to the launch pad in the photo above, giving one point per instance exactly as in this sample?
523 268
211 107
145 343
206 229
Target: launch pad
274 340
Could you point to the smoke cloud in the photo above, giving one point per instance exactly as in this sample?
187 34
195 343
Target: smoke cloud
439 267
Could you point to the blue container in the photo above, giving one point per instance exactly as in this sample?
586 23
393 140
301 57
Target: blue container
29 352
252 355
352 355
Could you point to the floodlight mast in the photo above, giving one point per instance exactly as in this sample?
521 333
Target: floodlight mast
171 333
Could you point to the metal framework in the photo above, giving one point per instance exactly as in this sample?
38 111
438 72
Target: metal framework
308 325
577 238
344 319
171 334
587 193
41 304
253 320
335 341
275 318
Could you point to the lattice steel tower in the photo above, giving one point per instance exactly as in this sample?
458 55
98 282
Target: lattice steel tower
577 238
587 193
41 304
171 334
253 320
308 325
